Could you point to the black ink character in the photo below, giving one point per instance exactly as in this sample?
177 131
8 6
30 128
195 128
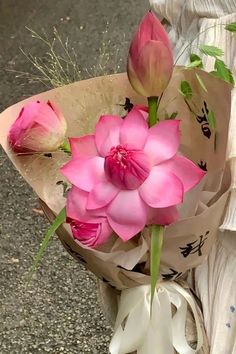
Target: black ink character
48 155
195 246
171 276
202 119
203 165
128 105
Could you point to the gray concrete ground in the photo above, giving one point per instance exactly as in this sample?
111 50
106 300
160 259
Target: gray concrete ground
59 313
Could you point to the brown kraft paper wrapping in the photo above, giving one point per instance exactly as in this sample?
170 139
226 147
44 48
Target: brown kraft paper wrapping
188 241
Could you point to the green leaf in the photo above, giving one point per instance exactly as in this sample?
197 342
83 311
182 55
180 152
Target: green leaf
66 147
186 90
59 220
223 72
211 50
156 247
231 27
201 82
194 64
195 61
194 57
172 116
211 119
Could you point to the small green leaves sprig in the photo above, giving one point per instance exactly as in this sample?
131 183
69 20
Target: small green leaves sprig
221 70
186 91
231 27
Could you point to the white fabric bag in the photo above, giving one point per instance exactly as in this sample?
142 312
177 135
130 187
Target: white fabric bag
215 279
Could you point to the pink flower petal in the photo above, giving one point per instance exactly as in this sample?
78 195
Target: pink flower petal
163 216
107 133
134 130
76 204
83 147
127 214
91 234
102 194
58 112
85 173
185 170
155 67
76 207
143 110
105 234
134 79
150 28
161 189
163 141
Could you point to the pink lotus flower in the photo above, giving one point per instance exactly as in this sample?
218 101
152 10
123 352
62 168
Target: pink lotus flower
129 173
150 60
91 234
39 127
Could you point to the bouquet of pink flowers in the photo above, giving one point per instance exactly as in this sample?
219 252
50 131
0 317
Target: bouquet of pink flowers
133 176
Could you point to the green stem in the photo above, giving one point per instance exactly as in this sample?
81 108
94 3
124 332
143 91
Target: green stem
156 230
157 233
152 107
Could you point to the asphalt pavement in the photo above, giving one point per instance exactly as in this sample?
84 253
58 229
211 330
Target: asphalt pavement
59 313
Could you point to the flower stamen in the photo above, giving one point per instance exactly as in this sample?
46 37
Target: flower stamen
127 168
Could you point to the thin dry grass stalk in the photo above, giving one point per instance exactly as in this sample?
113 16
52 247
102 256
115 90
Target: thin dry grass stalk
59 65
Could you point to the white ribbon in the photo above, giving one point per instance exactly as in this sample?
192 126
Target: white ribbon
160 332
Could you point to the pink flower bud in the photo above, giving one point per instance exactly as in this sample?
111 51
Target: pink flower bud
150 60
90 234
39 127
